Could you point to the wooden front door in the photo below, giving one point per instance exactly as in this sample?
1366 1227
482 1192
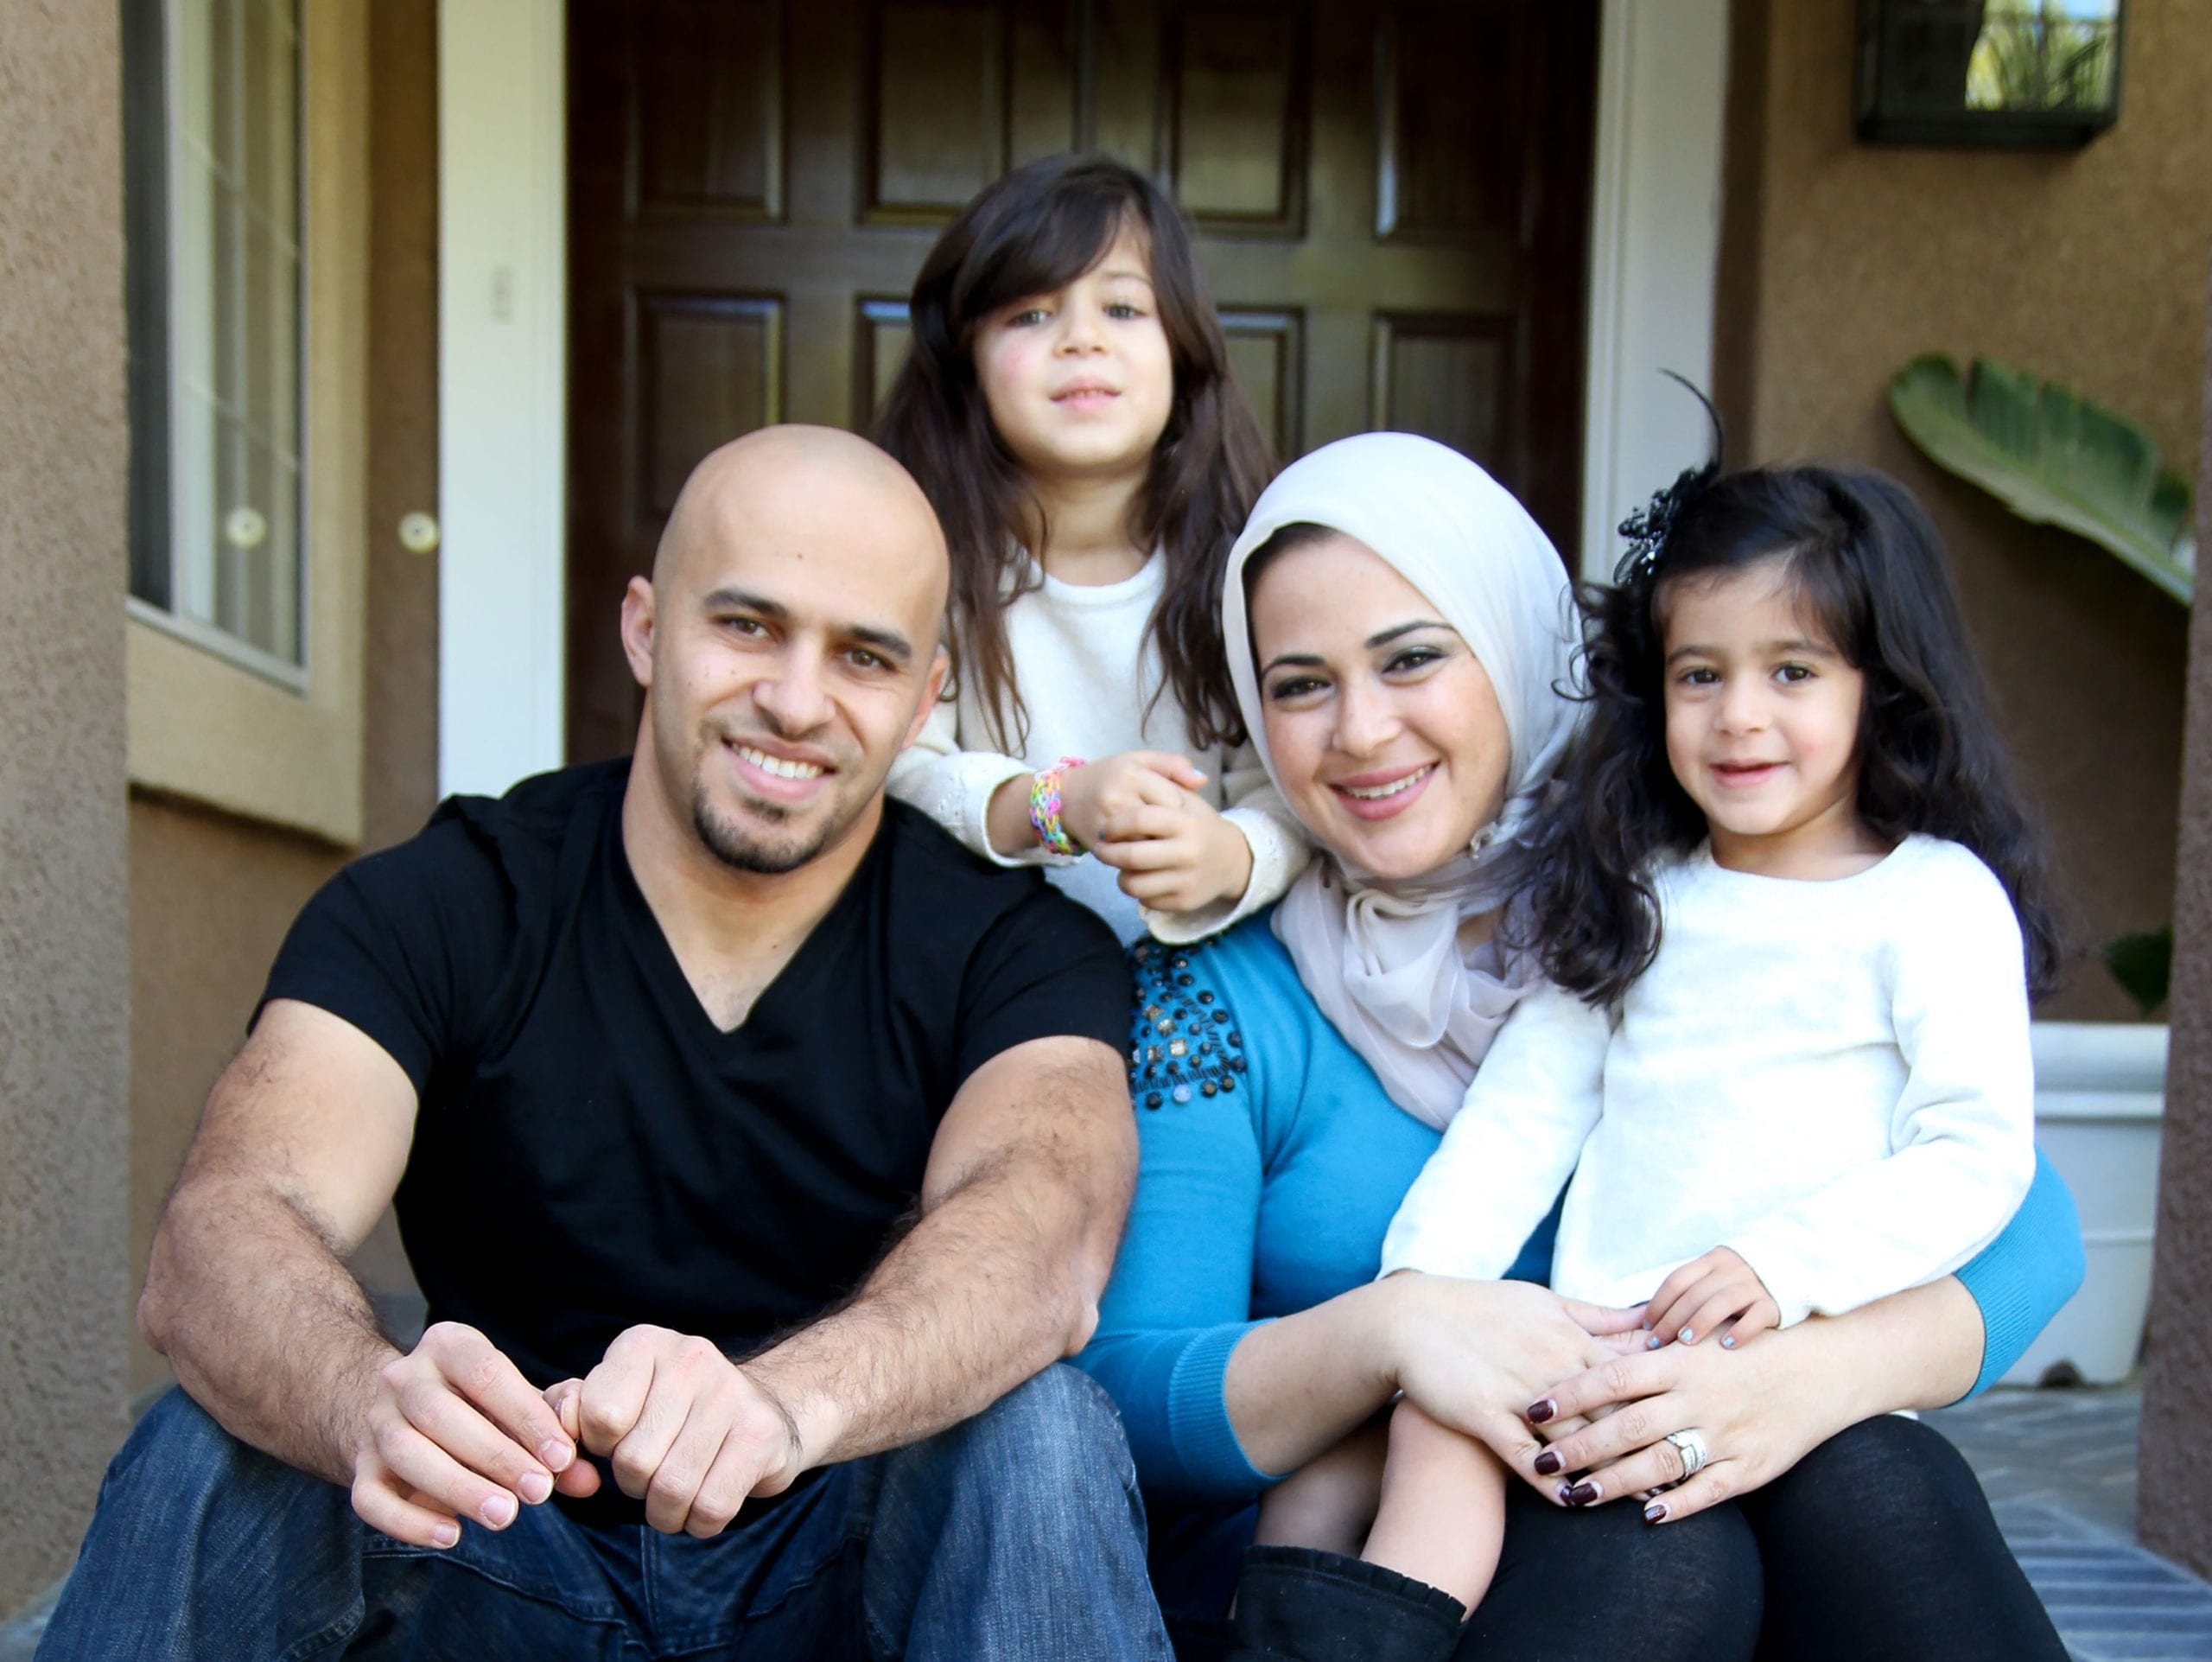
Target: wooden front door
1390 197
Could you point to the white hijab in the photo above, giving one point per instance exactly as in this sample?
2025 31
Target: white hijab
1382 959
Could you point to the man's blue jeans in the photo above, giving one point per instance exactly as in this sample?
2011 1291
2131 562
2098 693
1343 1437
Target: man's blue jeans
1017 1534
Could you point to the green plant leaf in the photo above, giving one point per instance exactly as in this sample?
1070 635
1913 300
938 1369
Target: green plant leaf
2054 458
2143 964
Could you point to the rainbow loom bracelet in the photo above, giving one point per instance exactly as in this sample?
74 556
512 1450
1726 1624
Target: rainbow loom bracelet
1045 807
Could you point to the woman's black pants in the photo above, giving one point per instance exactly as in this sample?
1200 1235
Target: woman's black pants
1878 1544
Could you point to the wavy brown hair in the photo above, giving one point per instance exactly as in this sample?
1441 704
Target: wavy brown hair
1034 231
1868 569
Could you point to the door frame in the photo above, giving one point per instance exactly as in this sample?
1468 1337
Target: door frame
1654 255
502 389
503 336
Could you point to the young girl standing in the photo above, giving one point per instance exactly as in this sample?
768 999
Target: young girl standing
1066 404
1792 912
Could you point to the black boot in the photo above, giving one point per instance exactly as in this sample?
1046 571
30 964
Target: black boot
1297 1604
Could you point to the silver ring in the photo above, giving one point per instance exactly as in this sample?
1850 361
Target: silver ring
1690 1445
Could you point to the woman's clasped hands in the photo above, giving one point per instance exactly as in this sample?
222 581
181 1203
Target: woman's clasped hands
1687 1426
1565 1394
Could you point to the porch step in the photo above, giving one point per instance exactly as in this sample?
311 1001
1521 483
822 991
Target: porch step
19 1639
2059 1468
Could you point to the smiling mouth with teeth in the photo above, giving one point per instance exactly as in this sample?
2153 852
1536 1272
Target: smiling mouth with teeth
1379 792
777 765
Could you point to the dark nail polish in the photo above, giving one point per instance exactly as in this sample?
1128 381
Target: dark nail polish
1565 1490
1582 1494
1656 1513
1546 1463
1539 1412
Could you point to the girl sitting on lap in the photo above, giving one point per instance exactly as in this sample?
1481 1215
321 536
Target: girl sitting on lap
1792 912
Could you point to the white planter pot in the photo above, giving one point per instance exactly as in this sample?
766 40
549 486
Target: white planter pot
2099 1091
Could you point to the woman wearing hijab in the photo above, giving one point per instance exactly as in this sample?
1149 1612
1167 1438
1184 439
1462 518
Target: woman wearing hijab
1400 637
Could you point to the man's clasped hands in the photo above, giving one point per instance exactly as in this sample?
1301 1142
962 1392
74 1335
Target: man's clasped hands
455 1432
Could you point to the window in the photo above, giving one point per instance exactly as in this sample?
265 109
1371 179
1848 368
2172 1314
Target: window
212 157
246 151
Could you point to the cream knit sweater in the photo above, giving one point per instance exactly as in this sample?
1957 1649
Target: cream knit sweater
1832 1078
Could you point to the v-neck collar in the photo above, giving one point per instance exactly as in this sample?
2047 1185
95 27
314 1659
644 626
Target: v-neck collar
663 970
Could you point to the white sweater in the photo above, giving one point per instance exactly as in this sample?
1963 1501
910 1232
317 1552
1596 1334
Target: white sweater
1832 1078
1087 670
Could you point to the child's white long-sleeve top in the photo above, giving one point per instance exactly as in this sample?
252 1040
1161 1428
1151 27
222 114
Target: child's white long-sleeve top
1088 669
1832 1078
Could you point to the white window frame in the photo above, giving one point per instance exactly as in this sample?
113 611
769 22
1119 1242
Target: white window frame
216 720
169 619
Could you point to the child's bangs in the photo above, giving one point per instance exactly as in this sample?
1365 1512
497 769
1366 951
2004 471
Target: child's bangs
1044 250
1727 538
1825 600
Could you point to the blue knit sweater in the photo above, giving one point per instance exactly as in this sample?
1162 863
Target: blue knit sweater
1272 1163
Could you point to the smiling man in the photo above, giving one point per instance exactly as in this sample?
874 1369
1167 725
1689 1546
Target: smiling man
755 1146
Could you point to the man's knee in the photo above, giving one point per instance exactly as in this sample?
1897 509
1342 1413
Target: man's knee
1022 1523
1054 1439
182 1439
197 1535
1064 1410
178 1461
1063 1398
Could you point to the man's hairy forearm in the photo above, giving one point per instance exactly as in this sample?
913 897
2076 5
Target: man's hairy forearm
997 1280
266 1328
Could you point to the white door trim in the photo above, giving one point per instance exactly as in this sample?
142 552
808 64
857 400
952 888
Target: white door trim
502 389
503 339
1655 244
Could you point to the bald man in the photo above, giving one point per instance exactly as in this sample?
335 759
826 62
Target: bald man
754 1145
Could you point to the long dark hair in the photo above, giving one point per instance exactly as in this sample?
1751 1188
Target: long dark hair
1869 570
1035 230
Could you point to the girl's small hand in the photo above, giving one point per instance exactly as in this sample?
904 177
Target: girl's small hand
1181 858
1101 801
1698 1299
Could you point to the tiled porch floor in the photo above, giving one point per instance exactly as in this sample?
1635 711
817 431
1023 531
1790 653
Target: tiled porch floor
2059 1467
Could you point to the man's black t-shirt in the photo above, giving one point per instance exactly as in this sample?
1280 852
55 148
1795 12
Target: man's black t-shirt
591 1152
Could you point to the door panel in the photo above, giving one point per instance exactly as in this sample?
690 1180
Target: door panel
1267 359
1390 197
708 108
1234 88
708 365
1446 375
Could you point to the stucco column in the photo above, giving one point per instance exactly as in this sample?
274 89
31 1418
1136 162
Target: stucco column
2174 1510
65 962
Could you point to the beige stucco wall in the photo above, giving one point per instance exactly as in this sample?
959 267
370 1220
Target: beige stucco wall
2174 1507
212 898
1842 261
63 933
